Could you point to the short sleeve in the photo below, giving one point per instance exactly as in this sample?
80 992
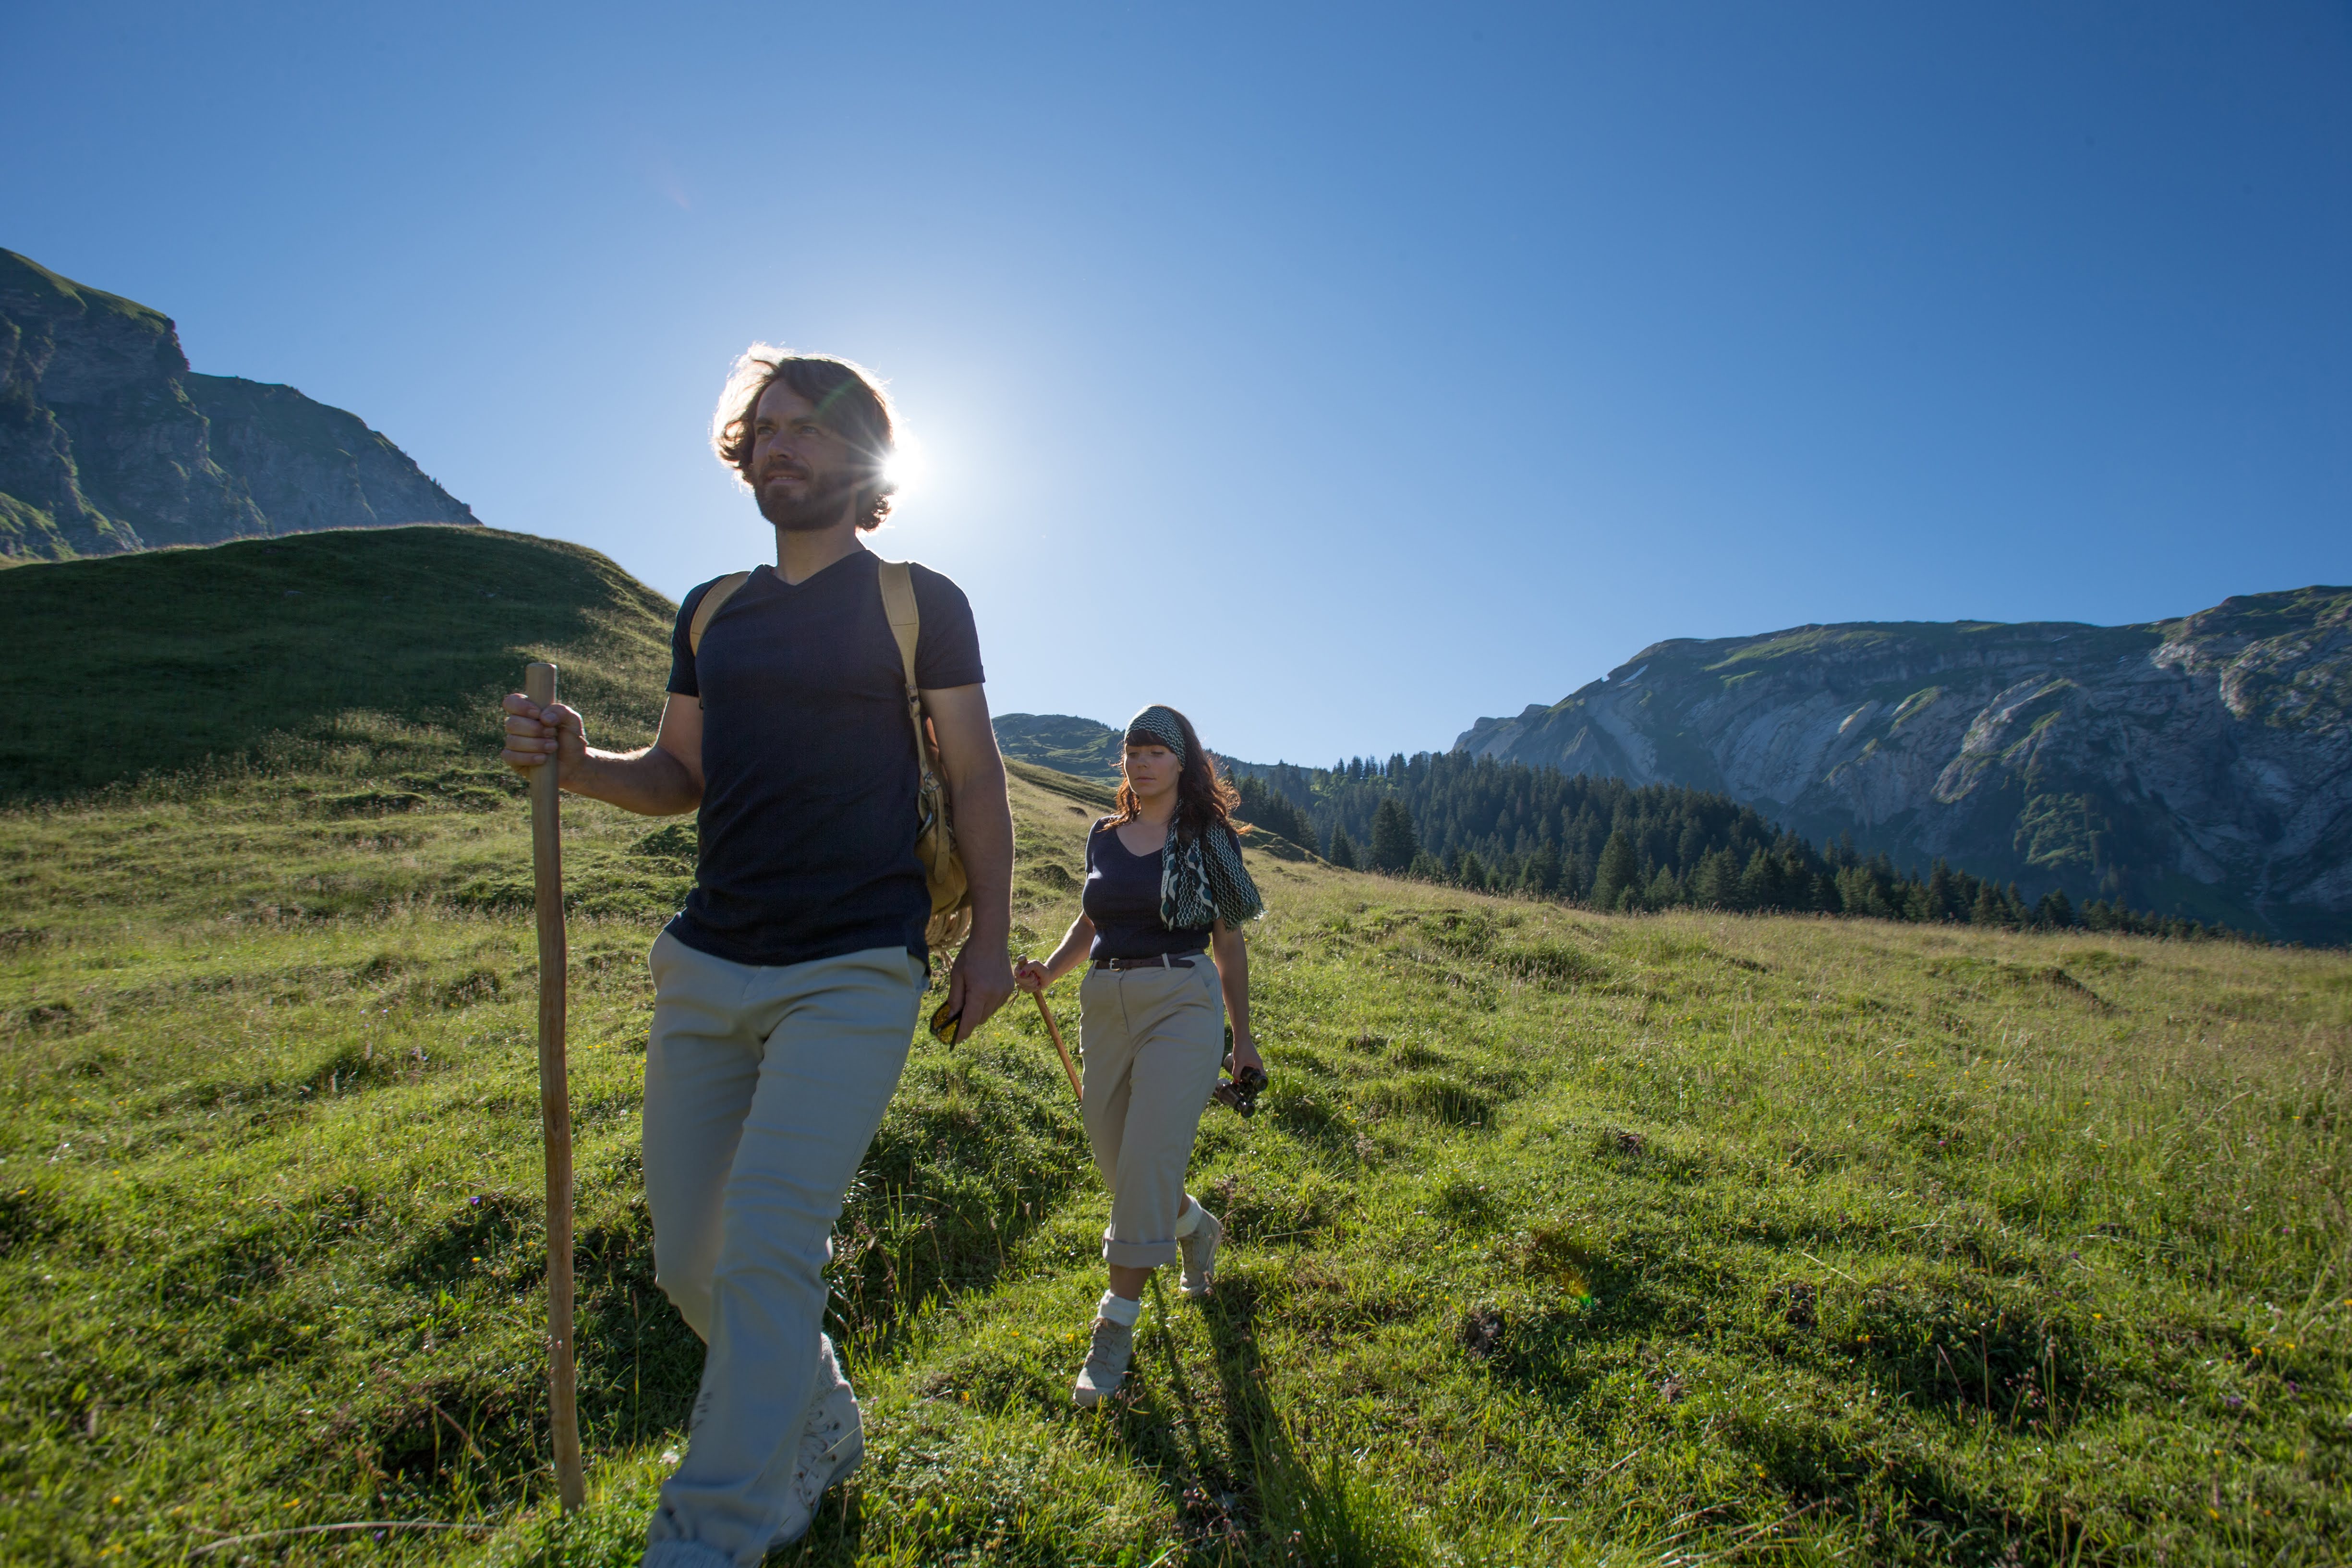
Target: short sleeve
947 653
683 680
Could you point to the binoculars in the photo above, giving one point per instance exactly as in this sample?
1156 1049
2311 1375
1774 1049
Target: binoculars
1241 1089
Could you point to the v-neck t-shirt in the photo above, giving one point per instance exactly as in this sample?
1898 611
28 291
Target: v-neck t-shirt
807 827
1122 898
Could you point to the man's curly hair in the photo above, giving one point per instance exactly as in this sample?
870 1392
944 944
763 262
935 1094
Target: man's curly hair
848 399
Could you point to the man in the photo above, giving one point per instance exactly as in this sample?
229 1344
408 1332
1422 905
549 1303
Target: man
786 989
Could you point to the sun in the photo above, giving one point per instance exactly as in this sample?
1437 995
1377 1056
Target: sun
909 468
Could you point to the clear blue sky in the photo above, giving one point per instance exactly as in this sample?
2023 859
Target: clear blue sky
1338 374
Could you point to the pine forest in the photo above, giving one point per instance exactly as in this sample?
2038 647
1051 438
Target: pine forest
1491 827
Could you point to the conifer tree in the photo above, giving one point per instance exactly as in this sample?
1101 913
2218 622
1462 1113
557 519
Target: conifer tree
1343 852
1617 871
1796 883
1393 844
1716 884
1542 875
1943 900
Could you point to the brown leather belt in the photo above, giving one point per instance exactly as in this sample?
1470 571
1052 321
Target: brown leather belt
1164 960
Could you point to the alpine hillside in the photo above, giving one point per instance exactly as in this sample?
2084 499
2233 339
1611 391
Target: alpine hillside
2199 767
109 441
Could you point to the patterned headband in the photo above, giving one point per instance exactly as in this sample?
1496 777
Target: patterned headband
1159 726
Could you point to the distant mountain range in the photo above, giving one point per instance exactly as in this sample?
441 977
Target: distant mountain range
109 441
2199 767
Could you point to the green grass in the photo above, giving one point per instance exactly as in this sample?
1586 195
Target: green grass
267 653
1560 1237
1082 748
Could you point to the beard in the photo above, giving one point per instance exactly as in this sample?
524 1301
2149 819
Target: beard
821 507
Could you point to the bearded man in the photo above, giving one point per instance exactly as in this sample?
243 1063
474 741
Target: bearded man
786 990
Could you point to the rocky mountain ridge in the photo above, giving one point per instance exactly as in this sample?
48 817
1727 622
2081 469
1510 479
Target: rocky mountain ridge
109 441
2199 766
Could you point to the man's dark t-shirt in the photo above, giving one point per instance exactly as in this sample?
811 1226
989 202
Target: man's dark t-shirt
808 763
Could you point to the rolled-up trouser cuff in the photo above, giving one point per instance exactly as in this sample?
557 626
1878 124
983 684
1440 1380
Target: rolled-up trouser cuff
684 1554
1136 1254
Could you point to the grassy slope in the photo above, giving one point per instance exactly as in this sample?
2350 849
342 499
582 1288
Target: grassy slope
1562 1238
278 653
1082 747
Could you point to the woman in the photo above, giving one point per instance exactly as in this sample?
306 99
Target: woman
1164 886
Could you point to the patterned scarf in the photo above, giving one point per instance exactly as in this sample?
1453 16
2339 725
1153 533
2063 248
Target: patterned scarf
1202 877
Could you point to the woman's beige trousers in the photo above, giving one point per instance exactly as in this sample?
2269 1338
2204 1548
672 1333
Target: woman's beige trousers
1152 1040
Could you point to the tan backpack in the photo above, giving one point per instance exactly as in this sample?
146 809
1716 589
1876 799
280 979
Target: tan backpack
934 822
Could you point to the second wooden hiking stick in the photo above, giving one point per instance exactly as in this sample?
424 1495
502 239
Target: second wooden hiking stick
554 1096
1059 1050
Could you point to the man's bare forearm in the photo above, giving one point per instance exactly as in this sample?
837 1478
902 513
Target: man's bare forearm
983 825
651 781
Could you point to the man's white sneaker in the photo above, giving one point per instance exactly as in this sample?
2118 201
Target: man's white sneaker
1106 1359
833 1445
1200 1252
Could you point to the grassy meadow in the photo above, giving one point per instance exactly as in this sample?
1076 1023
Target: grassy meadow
1561 1238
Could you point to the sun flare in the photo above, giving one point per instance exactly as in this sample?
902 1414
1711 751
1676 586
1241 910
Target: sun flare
908 470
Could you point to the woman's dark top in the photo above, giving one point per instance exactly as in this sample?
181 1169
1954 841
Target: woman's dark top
1122 898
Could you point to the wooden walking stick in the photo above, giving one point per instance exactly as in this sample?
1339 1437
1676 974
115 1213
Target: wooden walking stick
554 1097
1060 1049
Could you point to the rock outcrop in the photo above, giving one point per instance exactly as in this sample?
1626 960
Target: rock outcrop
110 442
2199 767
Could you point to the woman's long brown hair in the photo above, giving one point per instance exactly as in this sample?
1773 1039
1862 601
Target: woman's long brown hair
1204 799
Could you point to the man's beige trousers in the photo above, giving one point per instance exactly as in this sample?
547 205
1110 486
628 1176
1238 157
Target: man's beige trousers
1152 1040
764 1087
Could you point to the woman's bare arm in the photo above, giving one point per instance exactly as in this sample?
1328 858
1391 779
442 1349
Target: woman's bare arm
1231 951
1035 976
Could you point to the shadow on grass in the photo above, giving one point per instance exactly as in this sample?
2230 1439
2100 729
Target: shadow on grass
1285 1505
482 1433
976 1148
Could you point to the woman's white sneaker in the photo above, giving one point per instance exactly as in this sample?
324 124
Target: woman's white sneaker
1107 1358
1200 1254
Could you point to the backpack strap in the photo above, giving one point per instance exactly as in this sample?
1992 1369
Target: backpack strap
907 626
714 599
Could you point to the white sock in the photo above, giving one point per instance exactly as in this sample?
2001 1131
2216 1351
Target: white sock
1119 1309
1190 1220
